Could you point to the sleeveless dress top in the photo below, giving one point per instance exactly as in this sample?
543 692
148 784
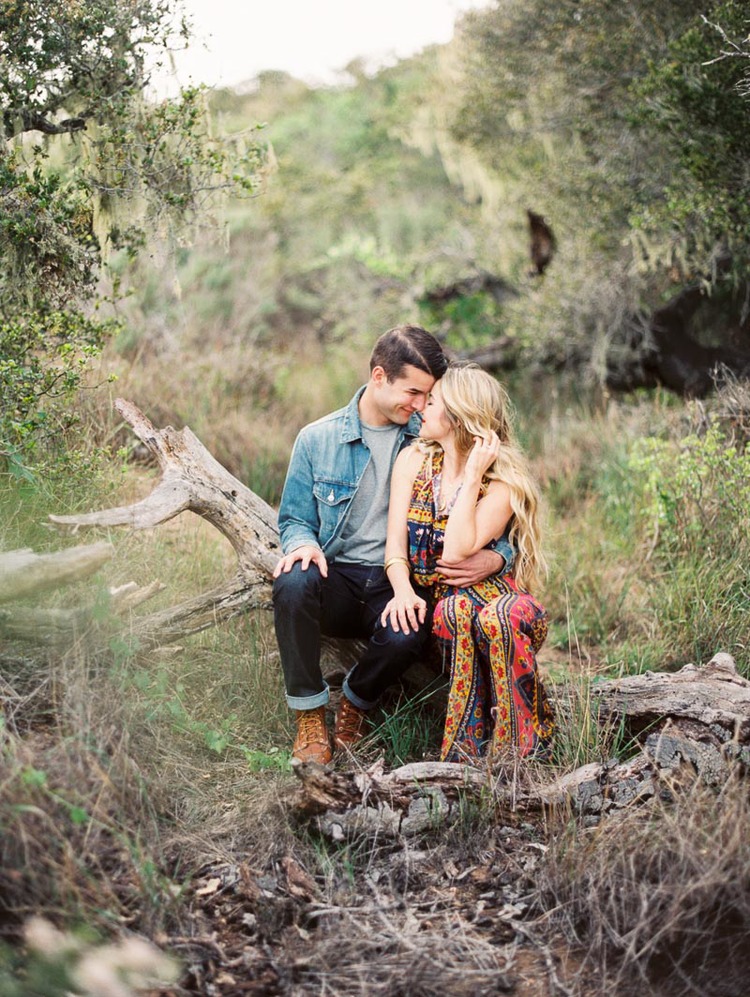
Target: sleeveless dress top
426 524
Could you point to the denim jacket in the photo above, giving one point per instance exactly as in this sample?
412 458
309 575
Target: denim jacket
326 466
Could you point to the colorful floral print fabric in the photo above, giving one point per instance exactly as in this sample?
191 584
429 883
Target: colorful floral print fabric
489 635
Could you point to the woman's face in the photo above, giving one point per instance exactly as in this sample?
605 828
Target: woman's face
435 422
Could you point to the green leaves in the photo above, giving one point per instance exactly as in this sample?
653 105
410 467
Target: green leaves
696 495
117 169
696 96
164 160
44 356
64 63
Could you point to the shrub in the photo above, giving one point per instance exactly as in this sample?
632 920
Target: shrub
693 500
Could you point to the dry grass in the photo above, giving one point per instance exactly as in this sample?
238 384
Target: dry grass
80 837
660 898
244 395
596 594
730 408
383 950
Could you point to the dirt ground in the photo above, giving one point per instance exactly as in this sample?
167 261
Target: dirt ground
439 916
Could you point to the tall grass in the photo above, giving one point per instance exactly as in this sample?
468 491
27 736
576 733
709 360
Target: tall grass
596 593
658 898
409 727
81 837
648 532
694 487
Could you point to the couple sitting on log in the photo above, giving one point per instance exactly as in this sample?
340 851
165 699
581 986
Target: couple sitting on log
407 515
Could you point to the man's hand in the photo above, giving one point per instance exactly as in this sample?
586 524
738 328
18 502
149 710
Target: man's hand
306 555
474 568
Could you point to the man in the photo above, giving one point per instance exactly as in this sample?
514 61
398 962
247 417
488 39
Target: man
332 522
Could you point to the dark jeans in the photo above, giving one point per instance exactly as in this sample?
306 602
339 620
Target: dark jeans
347 603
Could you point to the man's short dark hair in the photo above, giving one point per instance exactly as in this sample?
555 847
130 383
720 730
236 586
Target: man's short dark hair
408 346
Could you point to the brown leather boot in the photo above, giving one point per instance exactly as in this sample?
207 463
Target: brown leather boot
313 742
351 723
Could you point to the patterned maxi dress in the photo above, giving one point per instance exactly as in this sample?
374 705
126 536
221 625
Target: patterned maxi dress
490 633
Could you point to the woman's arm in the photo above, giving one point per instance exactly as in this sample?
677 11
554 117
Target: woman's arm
473 522
406 608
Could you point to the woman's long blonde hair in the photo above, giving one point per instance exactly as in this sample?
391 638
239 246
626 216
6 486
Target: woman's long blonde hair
476 403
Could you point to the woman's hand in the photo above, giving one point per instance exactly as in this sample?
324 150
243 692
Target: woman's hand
482 455
404 611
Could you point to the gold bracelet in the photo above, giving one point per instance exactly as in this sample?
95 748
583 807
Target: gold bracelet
395 560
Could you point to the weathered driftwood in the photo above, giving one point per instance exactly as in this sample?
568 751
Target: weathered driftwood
192 479
22 572
698 716
45 627
403 801
715 696
697 719
423 795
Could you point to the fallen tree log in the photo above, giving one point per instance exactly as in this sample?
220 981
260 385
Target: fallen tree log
193 479
696 720
58 628
698 716
715 696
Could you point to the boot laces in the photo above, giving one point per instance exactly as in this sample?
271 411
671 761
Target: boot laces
350 720
311 727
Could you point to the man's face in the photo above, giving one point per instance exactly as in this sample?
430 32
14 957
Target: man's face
397 400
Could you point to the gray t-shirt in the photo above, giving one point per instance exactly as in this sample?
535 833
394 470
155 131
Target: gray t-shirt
363 536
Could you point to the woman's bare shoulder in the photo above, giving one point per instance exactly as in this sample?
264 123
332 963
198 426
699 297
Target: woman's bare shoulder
497 491
408 462
411 456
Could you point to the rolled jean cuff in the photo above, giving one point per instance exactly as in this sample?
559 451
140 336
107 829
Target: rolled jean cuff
308 702
361 704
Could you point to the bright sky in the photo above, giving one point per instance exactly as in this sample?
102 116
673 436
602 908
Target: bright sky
311 39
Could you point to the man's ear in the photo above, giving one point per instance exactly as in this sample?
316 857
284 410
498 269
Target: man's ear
378 375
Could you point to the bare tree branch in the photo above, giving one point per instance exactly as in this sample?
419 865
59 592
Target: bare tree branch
192 479
23 572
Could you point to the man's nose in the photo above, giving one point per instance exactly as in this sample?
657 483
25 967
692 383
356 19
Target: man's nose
419 403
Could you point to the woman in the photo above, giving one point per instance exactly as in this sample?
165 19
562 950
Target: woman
462 484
